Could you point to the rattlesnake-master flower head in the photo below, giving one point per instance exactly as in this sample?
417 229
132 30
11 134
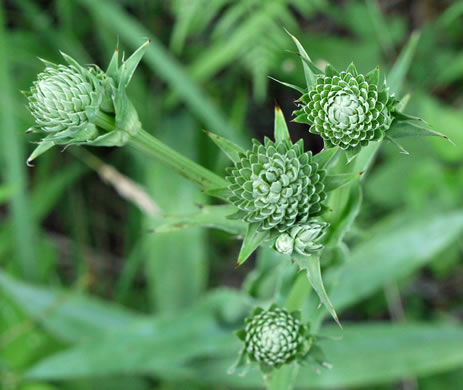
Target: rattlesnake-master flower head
304 239
75 105
277 185
275 337
347 109
61 97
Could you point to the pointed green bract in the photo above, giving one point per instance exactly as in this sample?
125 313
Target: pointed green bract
232 150
311 265
281 132
252 240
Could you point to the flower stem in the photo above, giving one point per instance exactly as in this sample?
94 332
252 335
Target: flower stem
144 142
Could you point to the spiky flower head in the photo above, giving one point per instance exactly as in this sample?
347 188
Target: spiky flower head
63 97
304 239
275 337
75 105
277 185
347 109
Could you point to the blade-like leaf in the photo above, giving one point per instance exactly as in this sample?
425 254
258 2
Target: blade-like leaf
281 132
398 72
401 129
295 87
308 73
128 67
232 150
311 265
392 254
251 241
69 316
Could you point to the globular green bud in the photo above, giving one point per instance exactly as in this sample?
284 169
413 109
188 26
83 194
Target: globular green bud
304 239
275 337
63 96
75 105
346 109
277 185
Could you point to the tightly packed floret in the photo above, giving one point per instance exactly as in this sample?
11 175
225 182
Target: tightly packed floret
347 110
277 185
61 96
275 337
305 239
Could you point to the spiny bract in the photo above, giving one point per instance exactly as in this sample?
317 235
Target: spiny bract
304 239
277 185
61 97
275 337
346 110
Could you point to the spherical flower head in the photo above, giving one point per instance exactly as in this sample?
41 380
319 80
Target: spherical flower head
304 239
277 185
61 97
274 337
347 110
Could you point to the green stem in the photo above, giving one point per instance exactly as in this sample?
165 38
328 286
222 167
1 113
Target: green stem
152 147
144 142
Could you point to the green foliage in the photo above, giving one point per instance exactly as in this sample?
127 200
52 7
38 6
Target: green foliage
98 294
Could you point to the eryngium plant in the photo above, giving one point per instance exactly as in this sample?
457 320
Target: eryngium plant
274 337
304 239
77 105
63 98
347 109
277 185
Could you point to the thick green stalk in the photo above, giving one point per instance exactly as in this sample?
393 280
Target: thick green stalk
151 146
144 142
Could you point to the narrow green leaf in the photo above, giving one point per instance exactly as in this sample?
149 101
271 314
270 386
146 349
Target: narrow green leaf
399 70
401 129
232 150
295 87
397 144
128 67
308 73
396 251
324 157
215 217
12 159
69 316
311 265
333 182
252 240
281 132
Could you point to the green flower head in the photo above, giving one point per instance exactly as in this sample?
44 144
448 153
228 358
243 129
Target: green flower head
277 185
346 109
74 105
63 97
304 239
275 337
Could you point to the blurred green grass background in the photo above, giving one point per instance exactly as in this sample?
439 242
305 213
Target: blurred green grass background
79 227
